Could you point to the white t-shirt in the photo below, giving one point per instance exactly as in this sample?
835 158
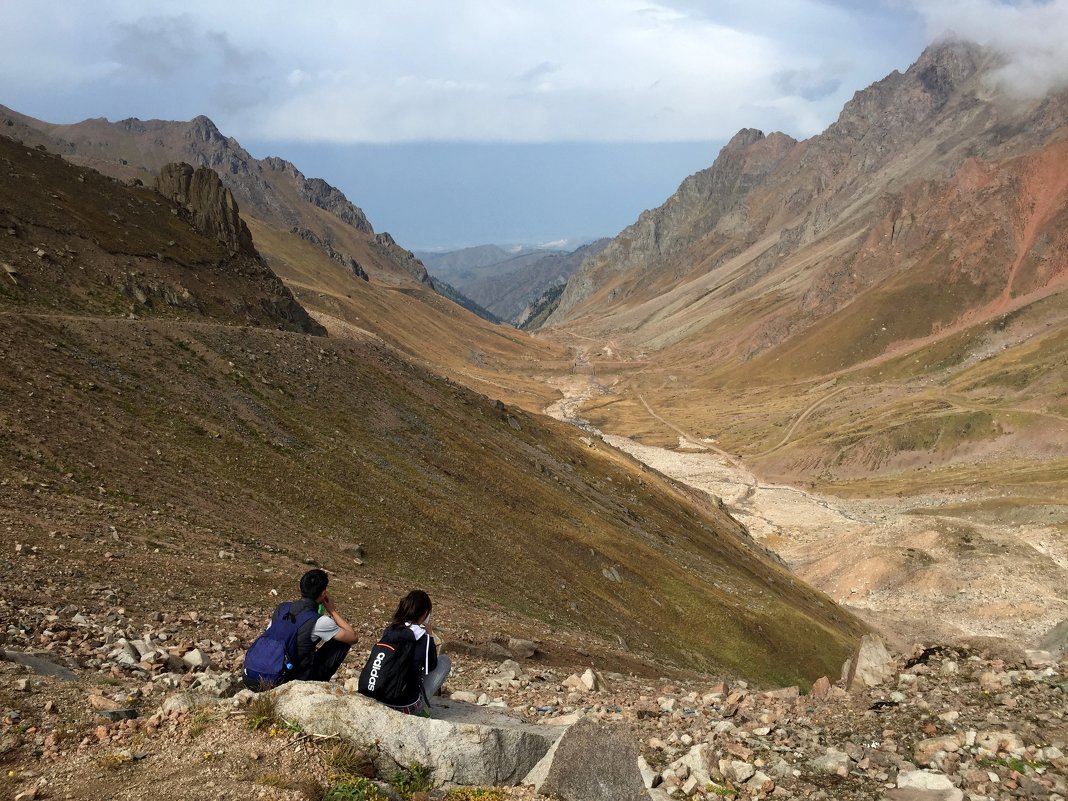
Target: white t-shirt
325 629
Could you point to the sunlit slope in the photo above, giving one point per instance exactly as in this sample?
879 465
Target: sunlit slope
223 453
495 359
292 444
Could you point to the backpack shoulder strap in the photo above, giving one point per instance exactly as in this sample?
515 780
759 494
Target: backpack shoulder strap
306 615
281 610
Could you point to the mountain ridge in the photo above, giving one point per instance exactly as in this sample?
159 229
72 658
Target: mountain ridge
271 189
925 224
889 118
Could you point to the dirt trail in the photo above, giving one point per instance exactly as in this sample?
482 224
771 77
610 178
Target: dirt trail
911 572
805 413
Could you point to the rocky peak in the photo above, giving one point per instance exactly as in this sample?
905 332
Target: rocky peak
743 139
202 129
946 64
900 102
212 207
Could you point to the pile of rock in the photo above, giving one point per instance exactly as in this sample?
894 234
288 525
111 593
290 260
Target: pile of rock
947 723
107 639
951 723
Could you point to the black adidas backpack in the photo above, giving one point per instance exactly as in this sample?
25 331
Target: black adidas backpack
271 656
388 674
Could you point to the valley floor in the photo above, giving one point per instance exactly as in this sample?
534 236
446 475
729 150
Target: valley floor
913 568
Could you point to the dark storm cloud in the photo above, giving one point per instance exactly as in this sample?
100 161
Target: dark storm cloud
168 47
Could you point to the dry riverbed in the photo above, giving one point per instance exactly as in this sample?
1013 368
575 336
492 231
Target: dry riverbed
911 571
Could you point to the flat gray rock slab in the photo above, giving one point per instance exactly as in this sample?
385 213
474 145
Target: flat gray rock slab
40 665
463 744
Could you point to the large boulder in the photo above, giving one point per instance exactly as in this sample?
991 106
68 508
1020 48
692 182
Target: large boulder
463 744
870 666
592 761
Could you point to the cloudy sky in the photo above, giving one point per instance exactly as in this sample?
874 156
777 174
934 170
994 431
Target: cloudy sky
470 121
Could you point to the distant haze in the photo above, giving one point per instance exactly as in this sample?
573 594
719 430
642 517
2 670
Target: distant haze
443 196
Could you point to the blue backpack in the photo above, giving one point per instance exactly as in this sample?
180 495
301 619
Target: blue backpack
271 656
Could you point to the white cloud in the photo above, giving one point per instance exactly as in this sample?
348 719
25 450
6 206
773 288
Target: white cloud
599 70
297 77
493 70
1032 37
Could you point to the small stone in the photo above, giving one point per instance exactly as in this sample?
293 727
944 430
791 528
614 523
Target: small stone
115 715
1038 659
592 680
833 762
929 782
785 694
573 682
101 704
925 750
821 688
522 649
760 783
509 670
736 770
649 775
196 659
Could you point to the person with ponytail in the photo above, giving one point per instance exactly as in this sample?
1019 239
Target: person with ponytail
404 670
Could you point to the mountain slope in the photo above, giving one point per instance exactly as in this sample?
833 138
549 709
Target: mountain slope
272 190
787 213
320 245
225 455
924 225
78 242
503 282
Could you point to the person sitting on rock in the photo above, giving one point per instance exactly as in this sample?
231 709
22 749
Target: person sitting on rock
322 642
424 672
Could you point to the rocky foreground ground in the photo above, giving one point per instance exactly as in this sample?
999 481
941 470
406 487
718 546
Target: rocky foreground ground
97 704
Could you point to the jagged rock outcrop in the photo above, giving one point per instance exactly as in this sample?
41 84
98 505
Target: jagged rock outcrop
404 258
80 241
211 206
329 198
